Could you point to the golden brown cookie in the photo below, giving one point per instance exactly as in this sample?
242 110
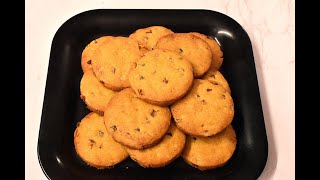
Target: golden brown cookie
215 76
135 123
149 36
210 152
113 59
93 93
217 55
95 146
163 153
193 48
205 111
161 77
88 51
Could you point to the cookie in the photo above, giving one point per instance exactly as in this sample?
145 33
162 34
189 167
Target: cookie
135 123
161 77
215 76
193 48
88 51
95 146
205 111
210 152
113 59
217 54
163 153
93 93
149 36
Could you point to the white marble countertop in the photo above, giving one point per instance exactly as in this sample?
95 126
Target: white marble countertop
271 28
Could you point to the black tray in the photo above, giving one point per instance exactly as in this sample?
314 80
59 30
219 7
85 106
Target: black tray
63 108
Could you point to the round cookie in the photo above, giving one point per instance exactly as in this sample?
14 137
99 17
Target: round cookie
210 152
113 60
95 146
161 77
163 153
88 51
149 36
135 123
215 76
93 93
205 111
217 55
193 48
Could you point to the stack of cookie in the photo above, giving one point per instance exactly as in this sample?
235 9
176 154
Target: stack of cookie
154 96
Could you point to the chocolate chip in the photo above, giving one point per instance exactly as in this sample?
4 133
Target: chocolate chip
180 50
113 70
92 142
95 41
101 133
169 134
194 138
147 121
203 102
197 95
165 81
114 128
153 113
140 92
89 62
150 31
202 125
209 90
100 146
141 77
137 129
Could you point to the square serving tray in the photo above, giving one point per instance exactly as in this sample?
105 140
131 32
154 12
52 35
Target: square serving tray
63 108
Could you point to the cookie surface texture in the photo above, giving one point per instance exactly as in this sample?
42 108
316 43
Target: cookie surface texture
163 153
205 111
93 93
149 36
217 54
135 123
95 146
193 48
88 51
210 152
161 77
113 59
215 76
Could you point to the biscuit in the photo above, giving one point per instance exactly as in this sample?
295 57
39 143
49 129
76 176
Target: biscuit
163 153
161 77
93 93
217 55
88 51
215 76
193 48
149 36
210 152
113 60
205 111
135 123
95 146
